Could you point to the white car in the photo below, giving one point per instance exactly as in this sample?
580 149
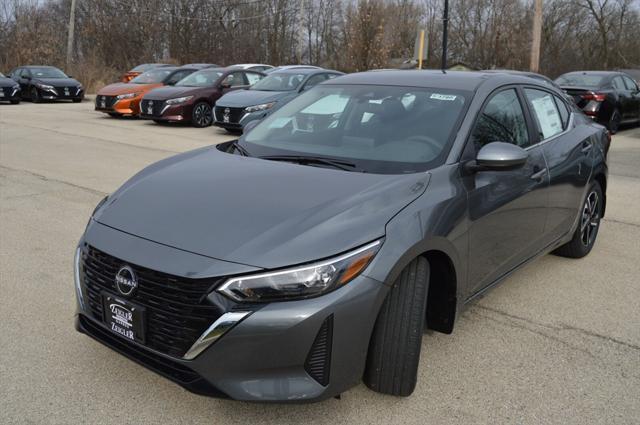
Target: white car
254 66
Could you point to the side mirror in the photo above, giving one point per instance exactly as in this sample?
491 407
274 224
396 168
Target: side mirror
250 126
498 156
69 76
171 83
27 77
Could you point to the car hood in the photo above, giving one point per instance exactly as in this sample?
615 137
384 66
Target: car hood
171 92
123 88
244 98
257 212
7 82
58 82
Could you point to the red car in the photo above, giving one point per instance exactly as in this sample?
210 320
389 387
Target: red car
191 100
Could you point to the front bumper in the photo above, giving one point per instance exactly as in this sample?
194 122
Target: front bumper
121 107
265 357
9 94
168 113
59 93
230 124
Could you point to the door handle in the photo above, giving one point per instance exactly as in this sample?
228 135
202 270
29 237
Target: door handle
539 175
586 147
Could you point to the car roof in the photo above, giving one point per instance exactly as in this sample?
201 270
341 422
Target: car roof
38 66
201 65
304 71
462 80
248 65
597 73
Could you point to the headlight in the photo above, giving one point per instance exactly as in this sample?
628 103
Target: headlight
262 107
80 87
127 96
178 100
301 282
16 87
44 86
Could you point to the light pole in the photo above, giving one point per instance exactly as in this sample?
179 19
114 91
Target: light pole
445 32
72 22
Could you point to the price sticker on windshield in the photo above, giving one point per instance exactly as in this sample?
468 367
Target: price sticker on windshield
438 96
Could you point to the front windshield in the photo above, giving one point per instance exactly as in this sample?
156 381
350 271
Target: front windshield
154 76
47 73
204 78
279 81
580 80
379 129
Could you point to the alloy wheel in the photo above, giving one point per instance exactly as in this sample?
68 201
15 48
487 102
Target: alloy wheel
202 115
590 219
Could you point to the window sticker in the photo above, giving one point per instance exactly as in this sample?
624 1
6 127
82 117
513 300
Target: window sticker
439 96
548 116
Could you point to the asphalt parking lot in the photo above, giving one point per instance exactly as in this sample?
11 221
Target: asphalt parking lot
558 342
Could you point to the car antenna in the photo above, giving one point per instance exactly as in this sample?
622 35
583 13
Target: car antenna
445 30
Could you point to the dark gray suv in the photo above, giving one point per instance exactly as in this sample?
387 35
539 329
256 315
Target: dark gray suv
311 253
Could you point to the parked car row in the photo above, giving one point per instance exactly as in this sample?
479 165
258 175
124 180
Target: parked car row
189 93
230 97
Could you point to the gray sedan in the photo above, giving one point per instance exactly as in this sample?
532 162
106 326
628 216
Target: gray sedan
311 253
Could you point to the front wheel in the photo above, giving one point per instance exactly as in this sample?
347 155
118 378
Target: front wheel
77 100
201 115
394 350
585 235
15 102
35 96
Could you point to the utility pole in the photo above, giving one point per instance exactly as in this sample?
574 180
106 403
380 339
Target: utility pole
72 23
445 33
534 66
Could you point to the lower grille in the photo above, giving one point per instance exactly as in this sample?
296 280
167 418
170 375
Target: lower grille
176 309
318 363
234 114
105 102
151 107
170 369
70 91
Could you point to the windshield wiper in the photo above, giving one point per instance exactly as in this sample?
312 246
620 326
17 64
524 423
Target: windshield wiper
239 148
304 159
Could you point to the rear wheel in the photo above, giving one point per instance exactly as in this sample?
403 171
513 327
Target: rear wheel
114 114
394 350
35 96
201 115
585 235
15 102
77 100
614 122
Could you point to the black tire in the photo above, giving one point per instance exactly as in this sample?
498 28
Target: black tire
35 96
394 350
202 115
233 131
15 102
585 235
77 100
158 122
114 114
614 122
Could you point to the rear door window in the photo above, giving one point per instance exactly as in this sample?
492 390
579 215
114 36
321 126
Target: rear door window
545 112
501 120
631 85
618 84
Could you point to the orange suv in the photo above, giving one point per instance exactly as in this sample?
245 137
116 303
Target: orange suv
120 99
